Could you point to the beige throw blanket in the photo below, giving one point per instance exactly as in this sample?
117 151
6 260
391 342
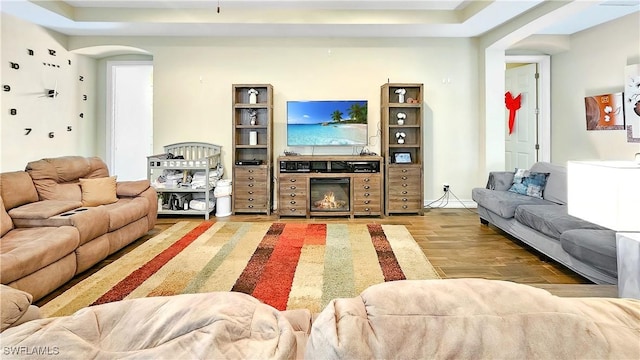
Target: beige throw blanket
474 319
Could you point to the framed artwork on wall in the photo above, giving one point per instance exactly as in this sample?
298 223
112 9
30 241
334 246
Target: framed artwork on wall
604 112
632 102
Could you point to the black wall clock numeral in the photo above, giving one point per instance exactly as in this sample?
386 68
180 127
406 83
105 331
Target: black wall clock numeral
27 131
84 97
81 78
6 87
51 135
13 111
52 52
14 65
69 128
30 52
82 115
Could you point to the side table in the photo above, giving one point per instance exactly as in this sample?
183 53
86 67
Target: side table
628 250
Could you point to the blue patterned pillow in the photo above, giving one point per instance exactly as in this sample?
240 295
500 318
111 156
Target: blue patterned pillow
529 183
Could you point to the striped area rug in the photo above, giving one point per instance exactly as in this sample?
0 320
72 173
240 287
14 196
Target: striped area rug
286 265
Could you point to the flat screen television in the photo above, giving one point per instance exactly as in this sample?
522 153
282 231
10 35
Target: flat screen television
327 123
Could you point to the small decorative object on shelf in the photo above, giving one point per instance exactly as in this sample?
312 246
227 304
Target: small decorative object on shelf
253 96
401 116
400 136
401 93
253 116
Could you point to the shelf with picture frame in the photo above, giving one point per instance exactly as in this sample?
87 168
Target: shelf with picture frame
402 114
252 148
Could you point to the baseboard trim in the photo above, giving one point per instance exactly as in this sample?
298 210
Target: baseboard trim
450 204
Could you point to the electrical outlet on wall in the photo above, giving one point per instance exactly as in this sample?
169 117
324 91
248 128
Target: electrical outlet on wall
445 187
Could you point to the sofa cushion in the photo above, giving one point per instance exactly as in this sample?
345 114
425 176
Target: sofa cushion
17 188
41 210
594 247
529 183
503 203
556 187
126 211
98 191
57 178
25 250
6 223
551 220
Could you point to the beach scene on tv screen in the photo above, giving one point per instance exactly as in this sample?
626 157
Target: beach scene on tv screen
327 123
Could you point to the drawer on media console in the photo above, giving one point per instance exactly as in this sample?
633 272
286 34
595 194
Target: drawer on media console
292 205
367 206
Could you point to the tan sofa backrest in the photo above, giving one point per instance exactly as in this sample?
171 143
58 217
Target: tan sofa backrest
57 178
17 188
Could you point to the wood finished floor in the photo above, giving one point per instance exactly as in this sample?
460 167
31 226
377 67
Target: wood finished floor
453 240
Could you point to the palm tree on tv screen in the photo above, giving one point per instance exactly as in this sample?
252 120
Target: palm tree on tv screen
336 116
358 113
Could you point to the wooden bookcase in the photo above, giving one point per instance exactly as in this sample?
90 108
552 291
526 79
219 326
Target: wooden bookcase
404 162
252 142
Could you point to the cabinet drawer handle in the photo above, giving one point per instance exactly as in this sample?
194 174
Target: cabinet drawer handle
250 192
293 209
405 192
367 209
250 170
250 177
405 185
366 179
250 185
367 201
250 206
404 178
250 199
293 195
404 206
404 170
367 187
366 194
292 202
292 180
405 199
293 187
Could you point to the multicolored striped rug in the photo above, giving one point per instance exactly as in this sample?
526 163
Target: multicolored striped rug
286 265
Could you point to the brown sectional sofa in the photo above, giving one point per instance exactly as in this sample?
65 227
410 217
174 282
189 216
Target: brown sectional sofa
51 230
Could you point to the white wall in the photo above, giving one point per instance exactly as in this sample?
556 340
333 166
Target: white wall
193 79
34 110
594 65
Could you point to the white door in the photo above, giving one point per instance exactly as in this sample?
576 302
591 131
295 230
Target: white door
131 119
522 143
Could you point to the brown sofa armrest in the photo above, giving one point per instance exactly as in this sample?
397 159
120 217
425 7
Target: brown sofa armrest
131 188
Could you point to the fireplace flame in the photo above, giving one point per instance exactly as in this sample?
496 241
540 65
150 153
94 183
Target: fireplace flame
329 202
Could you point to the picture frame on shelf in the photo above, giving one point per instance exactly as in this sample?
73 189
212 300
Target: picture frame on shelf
402 157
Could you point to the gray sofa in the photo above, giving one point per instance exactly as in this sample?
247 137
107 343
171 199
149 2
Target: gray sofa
544 224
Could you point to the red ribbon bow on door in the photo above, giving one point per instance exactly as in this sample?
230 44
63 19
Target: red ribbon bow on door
512 104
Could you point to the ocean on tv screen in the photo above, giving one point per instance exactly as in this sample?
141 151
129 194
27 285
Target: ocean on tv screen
327 123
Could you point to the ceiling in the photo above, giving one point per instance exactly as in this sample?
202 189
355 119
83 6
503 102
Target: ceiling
310 18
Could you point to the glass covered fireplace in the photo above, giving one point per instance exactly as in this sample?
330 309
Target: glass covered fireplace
329 194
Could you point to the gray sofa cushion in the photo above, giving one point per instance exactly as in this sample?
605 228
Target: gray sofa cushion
503 203
556 187
595 247
551 220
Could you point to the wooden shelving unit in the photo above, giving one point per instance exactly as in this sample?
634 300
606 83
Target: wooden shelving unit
252 141
404 163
